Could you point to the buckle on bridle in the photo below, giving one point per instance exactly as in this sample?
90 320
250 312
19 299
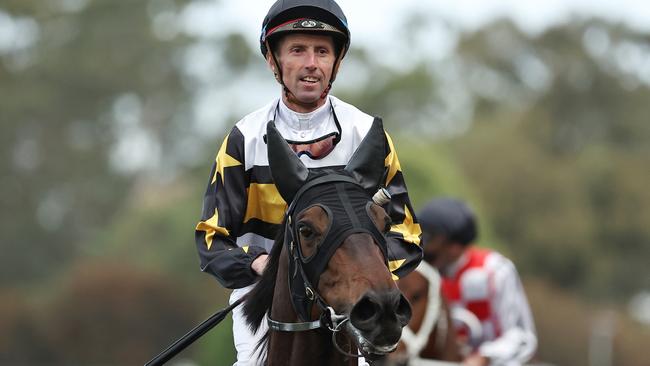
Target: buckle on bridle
331 320
310 293
334 323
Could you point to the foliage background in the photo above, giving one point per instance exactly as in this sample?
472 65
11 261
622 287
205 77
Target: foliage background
111 111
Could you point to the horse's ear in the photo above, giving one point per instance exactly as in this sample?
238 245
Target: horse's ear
288 172
367 163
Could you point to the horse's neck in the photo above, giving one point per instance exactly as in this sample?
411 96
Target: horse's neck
313 348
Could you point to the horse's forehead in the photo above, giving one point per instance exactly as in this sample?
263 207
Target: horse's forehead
313 212
360 260
332 193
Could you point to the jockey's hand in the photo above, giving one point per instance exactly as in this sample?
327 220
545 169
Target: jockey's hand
476 360
259 264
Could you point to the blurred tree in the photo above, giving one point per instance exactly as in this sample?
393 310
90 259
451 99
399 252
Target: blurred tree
108 313
561 172
104 105
21 338
74 97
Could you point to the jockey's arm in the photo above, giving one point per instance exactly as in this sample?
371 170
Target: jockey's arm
404 249
518 340
224 207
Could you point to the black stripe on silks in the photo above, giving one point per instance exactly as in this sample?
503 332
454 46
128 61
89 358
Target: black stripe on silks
231 188
235 147
262 173
209 197
399 199
411 253
262 228
397 185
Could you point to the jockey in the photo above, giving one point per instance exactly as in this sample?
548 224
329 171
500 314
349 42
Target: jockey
479 282
303 43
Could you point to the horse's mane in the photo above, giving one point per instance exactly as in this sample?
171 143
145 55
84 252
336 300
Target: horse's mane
259 299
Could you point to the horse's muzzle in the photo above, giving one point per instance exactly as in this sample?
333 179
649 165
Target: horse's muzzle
377 320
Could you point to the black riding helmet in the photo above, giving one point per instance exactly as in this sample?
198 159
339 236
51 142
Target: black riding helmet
305 16
449 217
291 15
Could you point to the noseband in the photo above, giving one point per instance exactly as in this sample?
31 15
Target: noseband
346 203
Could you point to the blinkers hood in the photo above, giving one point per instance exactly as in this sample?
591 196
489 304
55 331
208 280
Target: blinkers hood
347 206
344 195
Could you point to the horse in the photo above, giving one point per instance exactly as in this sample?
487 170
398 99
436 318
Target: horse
429 334
327 293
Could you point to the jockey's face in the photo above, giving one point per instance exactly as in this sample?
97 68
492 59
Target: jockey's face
440 252
307 61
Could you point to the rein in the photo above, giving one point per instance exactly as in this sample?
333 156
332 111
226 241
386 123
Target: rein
191 336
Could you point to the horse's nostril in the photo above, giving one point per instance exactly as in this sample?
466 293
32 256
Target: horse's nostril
403 311
364 314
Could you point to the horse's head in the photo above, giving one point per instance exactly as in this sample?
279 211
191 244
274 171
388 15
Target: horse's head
338 260
335 243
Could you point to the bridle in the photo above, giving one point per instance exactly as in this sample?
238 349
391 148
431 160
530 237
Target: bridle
329 320
346 218
415 342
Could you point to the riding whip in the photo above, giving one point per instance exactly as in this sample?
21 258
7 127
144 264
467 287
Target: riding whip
191 336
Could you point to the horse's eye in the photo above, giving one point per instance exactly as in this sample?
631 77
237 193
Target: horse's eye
305 231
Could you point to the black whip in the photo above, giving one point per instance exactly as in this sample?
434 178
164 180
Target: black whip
192 335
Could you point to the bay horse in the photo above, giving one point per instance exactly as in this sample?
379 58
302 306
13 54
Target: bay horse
430 334
327 293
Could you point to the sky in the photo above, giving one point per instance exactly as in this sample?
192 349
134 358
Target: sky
379 24
368 18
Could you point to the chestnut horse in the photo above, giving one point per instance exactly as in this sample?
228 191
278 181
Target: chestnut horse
326 293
